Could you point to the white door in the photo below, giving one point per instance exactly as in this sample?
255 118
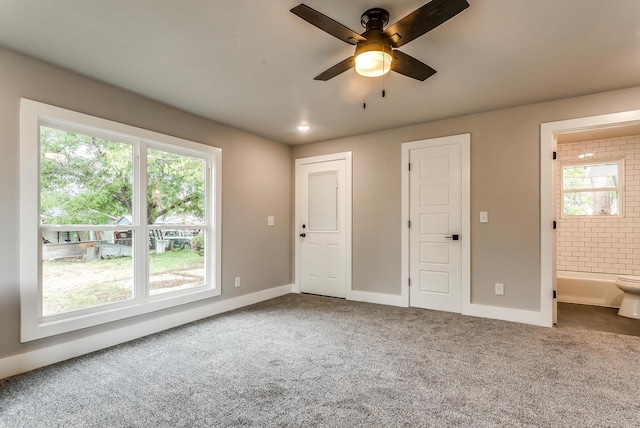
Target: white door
322 223
435 233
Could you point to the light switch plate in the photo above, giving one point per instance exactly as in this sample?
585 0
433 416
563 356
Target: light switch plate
484 217
271 221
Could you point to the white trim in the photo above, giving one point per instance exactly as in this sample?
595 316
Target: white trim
325 158
506 314
32 360
404 241
378 298
548 141
32 114
347 157
466 224
464 140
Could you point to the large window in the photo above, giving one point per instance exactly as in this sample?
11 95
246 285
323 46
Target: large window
116 221
592 188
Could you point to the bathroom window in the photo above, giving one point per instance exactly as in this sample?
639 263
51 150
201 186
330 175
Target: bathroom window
592 188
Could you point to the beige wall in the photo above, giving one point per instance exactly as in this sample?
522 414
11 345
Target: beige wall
256 182
602 244
505 181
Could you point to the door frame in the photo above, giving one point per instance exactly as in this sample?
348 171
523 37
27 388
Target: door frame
464 140
297 224
549 132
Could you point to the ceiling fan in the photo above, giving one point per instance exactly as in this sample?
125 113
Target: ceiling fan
376 48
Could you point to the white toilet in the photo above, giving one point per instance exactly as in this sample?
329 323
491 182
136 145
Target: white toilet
630 306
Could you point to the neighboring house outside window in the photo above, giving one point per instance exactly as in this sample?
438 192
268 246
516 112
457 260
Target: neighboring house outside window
116 221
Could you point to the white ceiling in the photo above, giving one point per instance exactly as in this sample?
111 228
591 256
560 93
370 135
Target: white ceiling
250 64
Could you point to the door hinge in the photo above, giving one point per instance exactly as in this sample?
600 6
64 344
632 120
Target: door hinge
555 225
409 224
409 282
555 155
555 294
409 166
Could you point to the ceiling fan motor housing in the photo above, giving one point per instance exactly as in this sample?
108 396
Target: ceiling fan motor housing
375 42
374 19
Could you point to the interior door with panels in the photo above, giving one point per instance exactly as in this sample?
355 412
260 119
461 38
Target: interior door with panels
322 265
435 252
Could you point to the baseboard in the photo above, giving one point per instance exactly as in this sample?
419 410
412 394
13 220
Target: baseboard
482 311
31 360
378 298
582 301
507 314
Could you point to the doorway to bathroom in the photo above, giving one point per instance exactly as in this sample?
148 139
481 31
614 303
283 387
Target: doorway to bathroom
590 218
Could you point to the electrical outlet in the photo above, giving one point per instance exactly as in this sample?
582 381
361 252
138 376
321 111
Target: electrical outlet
499 289
237 281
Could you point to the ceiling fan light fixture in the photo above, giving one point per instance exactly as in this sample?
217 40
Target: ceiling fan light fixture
373 63
377 48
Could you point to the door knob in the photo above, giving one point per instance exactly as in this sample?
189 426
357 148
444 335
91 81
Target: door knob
453 237
303 235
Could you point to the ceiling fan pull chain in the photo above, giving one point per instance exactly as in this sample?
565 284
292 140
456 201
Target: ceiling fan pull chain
383 91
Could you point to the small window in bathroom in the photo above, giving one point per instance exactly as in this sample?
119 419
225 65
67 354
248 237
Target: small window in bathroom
592 188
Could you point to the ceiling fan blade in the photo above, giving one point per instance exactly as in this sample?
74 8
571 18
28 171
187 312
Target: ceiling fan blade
339 68
423 20
327 24
410 67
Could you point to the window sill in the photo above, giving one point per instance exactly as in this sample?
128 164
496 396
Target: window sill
44 328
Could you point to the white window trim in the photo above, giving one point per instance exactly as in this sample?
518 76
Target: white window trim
619 188
32 113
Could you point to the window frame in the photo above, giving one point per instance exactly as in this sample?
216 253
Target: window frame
33 114
594 162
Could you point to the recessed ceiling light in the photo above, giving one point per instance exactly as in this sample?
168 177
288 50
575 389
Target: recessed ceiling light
303 128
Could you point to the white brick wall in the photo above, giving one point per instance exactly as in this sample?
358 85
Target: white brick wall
601 244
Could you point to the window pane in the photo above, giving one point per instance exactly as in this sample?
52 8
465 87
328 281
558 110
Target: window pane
176 188
84 269
83 179
591 203
590 176
176 261
323 201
